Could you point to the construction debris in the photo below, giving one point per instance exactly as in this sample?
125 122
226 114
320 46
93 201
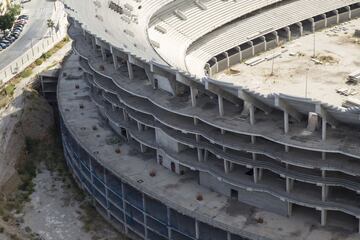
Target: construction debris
346 91
351 102
354 77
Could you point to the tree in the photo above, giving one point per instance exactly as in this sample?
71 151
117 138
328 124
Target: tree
51 25
14 10
6 22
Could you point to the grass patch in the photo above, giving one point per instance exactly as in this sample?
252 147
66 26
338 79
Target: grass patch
26 73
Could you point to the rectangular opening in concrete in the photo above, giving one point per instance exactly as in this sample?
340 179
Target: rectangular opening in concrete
342 221
310 215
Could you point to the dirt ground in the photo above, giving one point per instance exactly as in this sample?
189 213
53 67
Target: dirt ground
296 72
38 198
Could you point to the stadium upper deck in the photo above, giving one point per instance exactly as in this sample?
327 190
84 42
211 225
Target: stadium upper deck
275 152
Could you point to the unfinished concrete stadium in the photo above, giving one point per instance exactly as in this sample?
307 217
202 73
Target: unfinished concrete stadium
214 119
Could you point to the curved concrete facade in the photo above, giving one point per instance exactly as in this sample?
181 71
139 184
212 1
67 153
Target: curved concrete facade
277 153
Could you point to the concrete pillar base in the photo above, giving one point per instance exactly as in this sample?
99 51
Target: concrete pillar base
323 217
290 209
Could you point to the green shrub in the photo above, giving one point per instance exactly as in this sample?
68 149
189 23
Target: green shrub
26 73
39 61
9 89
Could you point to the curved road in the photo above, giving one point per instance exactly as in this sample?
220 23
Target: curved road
39 11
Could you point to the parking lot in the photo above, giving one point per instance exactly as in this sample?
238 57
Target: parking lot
14 33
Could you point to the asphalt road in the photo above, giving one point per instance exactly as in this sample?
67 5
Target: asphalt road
39 11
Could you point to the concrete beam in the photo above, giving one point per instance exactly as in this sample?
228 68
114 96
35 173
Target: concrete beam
217 90
247 97
319 109
282 104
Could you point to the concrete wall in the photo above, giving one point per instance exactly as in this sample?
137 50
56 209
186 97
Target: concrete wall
260 200
164 84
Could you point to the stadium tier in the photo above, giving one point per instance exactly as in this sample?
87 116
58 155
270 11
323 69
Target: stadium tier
163 125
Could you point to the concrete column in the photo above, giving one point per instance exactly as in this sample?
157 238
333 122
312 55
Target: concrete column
290 209
323 155
231 166
226 167
325 18
337 16
103 53
130 70
126 117
128 135
323 217
194 93
301 28
200 155
197 232
252 114
254 156
260 173
221 105
324 192
106 195
253 139
288 30
142 148
323 173
286 122
252 47
139 126
256 175
124 207
240 53
195 121
289 184
277 38
222 131
287 148
197 137
228 236
205 155
168 222
312 20
349 9
265 43
93 43
323 131
116 62
145 219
